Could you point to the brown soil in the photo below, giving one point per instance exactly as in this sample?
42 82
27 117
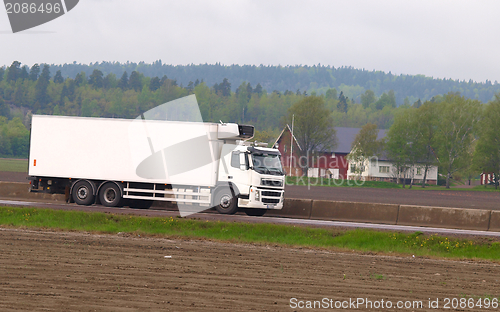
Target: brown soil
61 271
8 176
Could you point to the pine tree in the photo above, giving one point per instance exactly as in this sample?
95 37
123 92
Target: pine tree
58 77
42 98
34 72
258 89
163 80
123 83
14 71
135 81
79 79
95 79
154 84
342 104
24 73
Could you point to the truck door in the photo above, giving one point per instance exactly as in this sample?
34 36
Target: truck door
239 173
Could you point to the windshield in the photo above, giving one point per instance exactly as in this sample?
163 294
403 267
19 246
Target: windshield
267 164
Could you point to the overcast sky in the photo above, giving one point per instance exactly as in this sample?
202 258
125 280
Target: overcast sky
442 39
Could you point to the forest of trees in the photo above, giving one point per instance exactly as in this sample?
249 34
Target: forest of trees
353 82
72 90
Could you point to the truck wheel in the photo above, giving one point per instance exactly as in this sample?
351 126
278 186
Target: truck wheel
82 193
255 212
225 202
109 195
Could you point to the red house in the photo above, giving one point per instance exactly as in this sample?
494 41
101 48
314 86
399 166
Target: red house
487 178
327 164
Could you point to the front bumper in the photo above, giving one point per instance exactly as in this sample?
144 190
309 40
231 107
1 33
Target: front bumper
263 198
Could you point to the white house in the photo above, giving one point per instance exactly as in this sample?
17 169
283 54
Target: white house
382 169
379 169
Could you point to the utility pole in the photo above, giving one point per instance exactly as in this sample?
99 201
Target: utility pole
291 147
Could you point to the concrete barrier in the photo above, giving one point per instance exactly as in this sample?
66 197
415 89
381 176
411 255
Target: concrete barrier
21 191
452 218
293 208
495 221
355 212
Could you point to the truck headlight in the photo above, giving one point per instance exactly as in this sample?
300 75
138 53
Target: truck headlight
257 195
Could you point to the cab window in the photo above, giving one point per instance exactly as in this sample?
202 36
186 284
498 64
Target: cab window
235 160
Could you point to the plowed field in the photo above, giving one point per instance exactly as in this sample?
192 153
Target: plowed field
66 271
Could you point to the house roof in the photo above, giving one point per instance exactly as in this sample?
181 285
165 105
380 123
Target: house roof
281 134
345 137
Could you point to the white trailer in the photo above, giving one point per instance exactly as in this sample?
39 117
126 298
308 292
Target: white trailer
120 161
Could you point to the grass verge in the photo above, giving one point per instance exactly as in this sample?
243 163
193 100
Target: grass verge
416 244
339 182
13 165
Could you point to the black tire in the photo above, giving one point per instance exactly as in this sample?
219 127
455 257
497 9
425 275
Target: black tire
255 212
110 195
83 193
225 202
140 203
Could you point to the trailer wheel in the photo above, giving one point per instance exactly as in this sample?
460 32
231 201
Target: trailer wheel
252 212
226 202
109 195
82 193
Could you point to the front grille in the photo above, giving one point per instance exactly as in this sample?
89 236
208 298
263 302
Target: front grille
272 194
275 183
270 200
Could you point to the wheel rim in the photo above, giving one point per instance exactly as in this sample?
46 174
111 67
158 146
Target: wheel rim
83 193
225 201
109 195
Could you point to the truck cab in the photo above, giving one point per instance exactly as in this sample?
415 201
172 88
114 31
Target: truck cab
256 178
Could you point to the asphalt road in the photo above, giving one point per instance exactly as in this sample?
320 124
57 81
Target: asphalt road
415 196
240 217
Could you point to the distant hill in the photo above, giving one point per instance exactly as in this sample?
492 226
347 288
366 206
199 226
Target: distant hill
351 81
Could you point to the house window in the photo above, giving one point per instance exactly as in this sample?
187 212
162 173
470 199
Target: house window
419 171
360 168
383 169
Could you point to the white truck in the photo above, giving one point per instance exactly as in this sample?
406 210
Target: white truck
135 162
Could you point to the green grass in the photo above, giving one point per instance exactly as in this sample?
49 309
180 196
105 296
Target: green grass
478 188
13 165
339 182
489 188
363 240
